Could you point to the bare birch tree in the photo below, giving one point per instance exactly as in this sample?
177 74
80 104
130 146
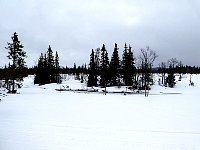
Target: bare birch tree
147 58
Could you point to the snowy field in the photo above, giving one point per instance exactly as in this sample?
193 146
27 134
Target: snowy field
40 118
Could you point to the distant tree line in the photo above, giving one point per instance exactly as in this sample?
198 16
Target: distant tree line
172 67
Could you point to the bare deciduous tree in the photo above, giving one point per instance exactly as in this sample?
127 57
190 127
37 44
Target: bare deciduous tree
147 58
173 62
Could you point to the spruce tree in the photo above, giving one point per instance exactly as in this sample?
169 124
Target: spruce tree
128 68
92 78
46 70
114 67
170 80
131 65
57 61
17 56
104 67
125 71
57 68
39 76
51 65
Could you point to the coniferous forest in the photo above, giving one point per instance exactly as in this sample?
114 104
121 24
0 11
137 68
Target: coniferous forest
101 70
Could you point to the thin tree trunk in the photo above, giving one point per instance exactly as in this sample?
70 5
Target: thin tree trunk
13 86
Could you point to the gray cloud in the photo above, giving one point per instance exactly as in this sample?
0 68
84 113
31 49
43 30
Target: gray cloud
73 28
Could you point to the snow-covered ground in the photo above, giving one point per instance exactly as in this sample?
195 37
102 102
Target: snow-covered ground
41 118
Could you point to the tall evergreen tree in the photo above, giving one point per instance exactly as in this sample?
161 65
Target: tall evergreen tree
104 67
114 67
51 65
57 61
40 76
170 80
92 78
128 67
131 65
57 68
125 64
17 56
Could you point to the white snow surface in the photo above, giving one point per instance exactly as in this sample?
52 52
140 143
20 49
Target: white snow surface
41 118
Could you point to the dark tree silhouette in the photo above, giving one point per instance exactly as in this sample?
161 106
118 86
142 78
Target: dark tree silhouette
51 65
17 57
128 68
41 71
47 70
104 67
114 67
57 68
92 78
170 80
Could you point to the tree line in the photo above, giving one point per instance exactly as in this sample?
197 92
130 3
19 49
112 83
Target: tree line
47 70
131 71
116 72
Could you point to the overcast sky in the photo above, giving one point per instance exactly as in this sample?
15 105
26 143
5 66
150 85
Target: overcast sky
74 27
